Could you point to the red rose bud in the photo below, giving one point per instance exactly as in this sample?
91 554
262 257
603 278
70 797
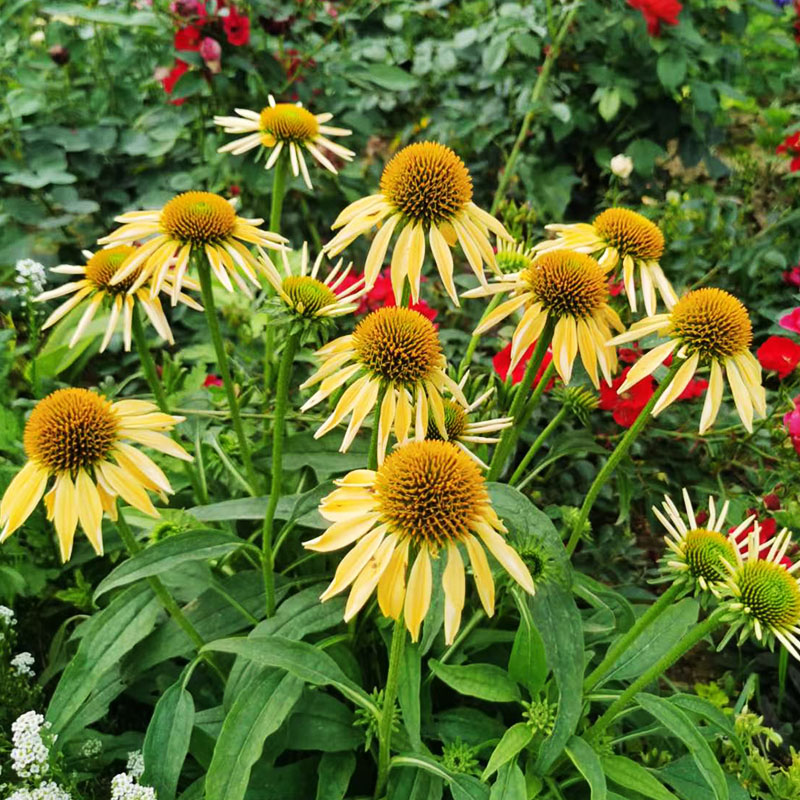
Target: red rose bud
772 502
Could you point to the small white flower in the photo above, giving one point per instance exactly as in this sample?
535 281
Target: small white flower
125 787
29 754
91 748
30 276
135 765
7 616
622 166
22 663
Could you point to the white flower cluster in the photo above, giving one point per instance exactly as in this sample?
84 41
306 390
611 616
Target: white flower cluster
135 765
22 663
30 276
7 617
45 791
126 787
29 754
91 748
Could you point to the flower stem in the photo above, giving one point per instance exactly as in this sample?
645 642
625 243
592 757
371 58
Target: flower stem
204 273
628 638
616 456
372 456
518 406
538 442
164 597
698 633
473 342
387 712
278 431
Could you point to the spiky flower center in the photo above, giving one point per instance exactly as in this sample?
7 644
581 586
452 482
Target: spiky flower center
769 593
706 552
198 218
398 345
430 492
711 322
427 182
287 122
630 233
567 283
455 422
308 296
104 264
70 429
513 259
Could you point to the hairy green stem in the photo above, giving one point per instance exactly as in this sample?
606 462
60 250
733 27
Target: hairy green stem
278 431
372 457
386 720
617 455
204 273
538 442
473 342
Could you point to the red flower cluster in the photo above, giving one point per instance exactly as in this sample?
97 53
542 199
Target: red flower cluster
792 422
657 11
382 295
779 354
502 361
767 530
791 321
791 145
791 277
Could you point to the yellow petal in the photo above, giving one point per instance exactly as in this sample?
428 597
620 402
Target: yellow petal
678 384
444 261
418 595
65 514
501 312
399 265
453 584
367 580
392 585
416 255
21 497
741 397
352 564
342 533
648 364
90 510
377 251
506 555
127 488
482 573
713 397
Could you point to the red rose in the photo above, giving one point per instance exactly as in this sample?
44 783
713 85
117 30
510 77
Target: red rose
629 355
502 361
627 406
791 321
657 11
792 276
172 78
767 530
779 354
615 287
695 388
188 38
237 27
791 144
381 294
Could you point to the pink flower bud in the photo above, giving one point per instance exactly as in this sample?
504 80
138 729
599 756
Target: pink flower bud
210 49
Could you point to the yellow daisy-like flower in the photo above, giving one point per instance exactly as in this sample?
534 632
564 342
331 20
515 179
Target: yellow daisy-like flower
199 222
765 593
426 498
571 288
287 126
86 443
425 189
616 236
699 553
707 326
396 348
94 289
306 295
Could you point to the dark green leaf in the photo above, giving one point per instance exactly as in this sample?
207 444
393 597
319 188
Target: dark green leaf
527 663
335 771
515 739
629 774
588 764
485 681
510 784
671 68
408 693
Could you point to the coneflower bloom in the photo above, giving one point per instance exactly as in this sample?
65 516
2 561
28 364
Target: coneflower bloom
571 289
427 500
765 594
620 236
394 348
85 443
305 295
95 290
699 553
289 127
425 189
192 222
706 327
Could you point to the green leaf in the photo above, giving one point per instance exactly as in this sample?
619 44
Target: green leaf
321 722
168 554
510 784
678 724
166 742
255 507
335 771
468 787
485 681
408 693
588 764
687 781
300 659
414 784
515 739
671 68
644 153
495 54
107 637
527 663
108 16
629 774
256 714
608 103
389 77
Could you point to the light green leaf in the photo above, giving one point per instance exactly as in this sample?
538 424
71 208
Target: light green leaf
515 739
485 681
408 693
335 771
389 77
671 68
629 774
510 784
527 663
588 764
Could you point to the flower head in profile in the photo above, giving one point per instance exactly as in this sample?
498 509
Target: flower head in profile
85 443
425 190
699 552
620 236
202 223
707 327
286 127
764 593
570 290
94 290
308 297
427 500
396 349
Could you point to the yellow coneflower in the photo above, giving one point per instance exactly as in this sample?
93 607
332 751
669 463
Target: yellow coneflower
706 327
193 221
85 442
94 288
425 189
460 431
765 593
616 236
306 295
699 553
286 126
571 288
426 498
394 348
